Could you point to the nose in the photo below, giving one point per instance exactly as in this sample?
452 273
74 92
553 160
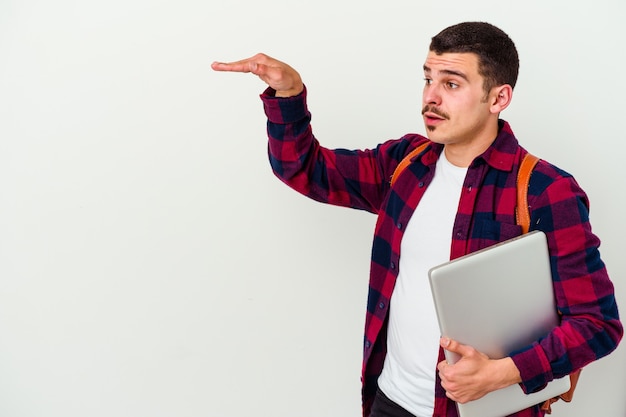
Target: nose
431 94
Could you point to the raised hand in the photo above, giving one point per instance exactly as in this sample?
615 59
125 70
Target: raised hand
276 74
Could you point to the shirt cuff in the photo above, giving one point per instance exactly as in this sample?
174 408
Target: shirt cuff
284 110
534 368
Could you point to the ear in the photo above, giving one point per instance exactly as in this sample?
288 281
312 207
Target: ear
500 98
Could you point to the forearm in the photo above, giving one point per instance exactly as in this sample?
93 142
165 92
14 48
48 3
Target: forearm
503 373
339 177
590 327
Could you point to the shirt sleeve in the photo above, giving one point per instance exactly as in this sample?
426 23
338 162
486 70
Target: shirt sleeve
349 178
590 326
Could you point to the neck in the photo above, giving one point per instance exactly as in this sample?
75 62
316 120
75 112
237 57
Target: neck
463 153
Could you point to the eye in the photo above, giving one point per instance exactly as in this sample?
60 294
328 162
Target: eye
452 85
428 81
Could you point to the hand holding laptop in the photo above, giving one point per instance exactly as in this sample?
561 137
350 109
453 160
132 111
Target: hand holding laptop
474 375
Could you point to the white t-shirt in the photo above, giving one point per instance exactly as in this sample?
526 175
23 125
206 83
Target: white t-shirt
408 376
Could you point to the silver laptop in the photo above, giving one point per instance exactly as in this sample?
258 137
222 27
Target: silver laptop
498 300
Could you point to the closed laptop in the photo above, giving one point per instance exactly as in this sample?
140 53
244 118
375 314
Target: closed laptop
498 300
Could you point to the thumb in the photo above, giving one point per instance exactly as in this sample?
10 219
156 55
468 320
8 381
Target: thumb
256 68
456 347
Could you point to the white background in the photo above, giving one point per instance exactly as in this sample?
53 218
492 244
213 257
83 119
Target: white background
151 264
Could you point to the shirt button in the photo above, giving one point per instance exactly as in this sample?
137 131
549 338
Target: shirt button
381 305
367 344
393 265
420 184
399 225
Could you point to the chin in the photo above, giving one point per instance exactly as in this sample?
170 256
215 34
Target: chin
434 137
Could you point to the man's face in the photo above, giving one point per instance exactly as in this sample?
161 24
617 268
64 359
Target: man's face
456 109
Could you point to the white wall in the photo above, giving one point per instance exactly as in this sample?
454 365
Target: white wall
150 263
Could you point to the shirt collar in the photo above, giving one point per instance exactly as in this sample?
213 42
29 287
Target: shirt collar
502 152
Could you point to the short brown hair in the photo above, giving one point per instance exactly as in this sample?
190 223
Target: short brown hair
498 61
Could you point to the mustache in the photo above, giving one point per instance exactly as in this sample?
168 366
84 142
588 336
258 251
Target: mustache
435 110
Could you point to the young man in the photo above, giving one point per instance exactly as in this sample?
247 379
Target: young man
456 197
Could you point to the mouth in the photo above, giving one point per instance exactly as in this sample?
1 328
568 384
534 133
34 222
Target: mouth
433 116
431 119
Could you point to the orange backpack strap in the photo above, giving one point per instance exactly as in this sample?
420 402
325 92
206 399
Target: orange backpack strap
523 178
407 160
523 219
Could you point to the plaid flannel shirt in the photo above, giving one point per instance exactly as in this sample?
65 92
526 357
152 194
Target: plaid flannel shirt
590 327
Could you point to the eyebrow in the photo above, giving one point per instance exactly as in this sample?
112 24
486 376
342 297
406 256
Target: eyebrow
448 72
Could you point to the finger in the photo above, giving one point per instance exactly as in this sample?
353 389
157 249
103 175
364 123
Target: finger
451 396
240 66
446 373
450 392
245 65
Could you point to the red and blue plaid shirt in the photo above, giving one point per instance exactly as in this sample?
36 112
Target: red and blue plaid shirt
360 179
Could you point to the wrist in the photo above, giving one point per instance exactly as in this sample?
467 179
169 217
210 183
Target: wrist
506 373
292 92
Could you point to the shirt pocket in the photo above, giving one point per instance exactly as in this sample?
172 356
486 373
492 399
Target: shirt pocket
489 232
